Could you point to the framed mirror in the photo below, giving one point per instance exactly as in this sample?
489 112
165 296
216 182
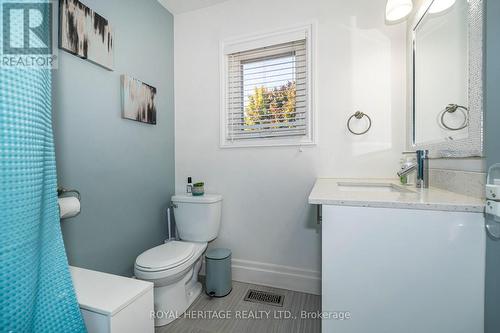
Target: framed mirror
446 115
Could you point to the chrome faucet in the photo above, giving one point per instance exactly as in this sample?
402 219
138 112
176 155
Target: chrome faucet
421 166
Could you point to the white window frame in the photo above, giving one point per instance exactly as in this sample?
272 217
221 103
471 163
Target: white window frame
241 44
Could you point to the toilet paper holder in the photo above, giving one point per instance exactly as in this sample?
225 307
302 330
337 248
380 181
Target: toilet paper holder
62 191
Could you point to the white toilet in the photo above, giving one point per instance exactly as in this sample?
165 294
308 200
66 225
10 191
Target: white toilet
173 267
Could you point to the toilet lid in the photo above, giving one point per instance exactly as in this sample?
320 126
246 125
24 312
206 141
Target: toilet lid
165 256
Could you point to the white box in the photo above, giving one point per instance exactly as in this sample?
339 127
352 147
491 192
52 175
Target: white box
112 303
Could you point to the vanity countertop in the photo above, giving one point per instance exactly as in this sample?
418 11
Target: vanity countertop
331 191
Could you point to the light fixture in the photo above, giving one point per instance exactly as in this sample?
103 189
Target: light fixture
439 6
397 10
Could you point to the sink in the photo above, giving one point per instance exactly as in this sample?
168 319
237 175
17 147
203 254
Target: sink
372 187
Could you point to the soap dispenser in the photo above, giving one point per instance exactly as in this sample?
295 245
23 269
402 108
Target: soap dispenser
407 160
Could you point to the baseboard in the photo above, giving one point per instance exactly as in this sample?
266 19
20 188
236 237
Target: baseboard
277 276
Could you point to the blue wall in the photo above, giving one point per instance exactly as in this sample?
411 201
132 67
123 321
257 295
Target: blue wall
124 169
492 145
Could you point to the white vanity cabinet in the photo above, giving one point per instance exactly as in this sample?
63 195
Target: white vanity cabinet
396 268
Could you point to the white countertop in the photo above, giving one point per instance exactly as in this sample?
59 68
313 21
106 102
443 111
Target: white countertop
326 191
106 293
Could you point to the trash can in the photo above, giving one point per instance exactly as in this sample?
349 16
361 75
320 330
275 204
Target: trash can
218 272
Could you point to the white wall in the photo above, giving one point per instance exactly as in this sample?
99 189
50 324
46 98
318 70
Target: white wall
360 65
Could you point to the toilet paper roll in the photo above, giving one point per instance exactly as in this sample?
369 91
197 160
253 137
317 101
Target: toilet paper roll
68 207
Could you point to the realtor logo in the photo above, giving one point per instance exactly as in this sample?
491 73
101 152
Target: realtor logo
27 34
27 28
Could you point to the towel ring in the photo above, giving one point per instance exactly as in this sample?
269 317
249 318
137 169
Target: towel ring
451 108
359 115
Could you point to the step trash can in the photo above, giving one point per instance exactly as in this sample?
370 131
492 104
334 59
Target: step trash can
218 281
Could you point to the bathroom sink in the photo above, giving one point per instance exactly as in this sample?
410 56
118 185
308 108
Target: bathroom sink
372 187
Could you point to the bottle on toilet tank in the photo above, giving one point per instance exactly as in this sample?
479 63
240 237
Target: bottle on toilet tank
189 186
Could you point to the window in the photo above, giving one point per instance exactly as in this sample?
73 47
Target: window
267 91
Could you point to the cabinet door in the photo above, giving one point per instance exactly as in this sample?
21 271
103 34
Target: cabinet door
401 270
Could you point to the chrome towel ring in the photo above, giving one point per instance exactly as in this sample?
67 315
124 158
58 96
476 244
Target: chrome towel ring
452 108
359 115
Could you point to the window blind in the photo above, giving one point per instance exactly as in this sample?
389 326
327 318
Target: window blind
267 92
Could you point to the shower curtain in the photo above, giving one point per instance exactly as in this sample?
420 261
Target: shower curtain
36 290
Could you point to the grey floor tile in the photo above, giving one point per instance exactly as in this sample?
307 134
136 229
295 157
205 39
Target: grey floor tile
268 319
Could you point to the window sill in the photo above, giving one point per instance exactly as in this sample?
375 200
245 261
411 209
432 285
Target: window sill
266 143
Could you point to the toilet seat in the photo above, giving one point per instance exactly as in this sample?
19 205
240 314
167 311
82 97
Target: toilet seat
166 256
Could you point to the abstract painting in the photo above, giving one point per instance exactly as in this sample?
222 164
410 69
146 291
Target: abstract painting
85 33
139 100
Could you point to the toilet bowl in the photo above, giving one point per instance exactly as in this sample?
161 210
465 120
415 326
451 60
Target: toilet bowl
173 267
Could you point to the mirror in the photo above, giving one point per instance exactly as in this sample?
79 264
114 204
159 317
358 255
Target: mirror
447 78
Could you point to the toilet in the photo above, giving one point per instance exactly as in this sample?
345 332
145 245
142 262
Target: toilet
173 267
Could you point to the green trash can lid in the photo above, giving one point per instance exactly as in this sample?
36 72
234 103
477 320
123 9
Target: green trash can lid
218 253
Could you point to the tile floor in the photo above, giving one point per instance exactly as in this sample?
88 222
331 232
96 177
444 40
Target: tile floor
266 318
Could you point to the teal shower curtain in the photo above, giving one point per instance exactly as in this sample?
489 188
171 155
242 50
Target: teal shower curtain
36 290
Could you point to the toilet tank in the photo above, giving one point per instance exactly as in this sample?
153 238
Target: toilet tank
197 218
